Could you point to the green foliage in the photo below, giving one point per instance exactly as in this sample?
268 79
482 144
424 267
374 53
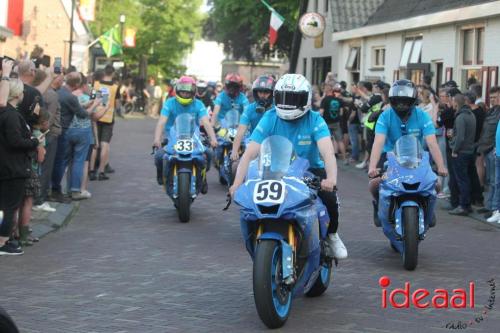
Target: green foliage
166 30
243 26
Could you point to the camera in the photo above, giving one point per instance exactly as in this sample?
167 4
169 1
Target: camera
95 94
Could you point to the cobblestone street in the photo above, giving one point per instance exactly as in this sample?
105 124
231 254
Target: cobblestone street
126 264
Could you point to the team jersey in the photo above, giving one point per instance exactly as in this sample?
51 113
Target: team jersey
304 133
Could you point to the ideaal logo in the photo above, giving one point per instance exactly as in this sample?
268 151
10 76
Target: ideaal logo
422 298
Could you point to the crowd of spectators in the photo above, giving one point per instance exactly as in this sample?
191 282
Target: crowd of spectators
52 125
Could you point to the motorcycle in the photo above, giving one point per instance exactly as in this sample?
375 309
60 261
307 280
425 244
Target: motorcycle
225 138
284 225
184 164
407 198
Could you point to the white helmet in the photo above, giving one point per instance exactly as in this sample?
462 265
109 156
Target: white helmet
292 96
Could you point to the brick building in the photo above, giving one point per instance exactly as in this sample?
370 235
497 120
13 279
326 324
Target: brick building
47 24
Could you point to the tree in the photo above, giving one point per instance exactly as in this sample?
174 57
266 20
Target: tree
243 26
166 30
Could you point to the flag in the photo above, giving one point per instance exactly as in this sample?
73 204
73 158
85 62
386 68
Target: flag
11 15
276 22
87 10
111 41
130 37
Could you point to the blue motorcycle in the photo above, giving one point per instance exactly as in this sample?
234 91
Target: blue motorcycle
284 225
184 164
225 138
407 198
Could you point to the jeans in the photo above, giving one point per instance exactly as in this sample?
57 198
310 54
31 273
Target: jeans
490 159
330 201
77 149
47 167
60 161
354 138
461 165
496 197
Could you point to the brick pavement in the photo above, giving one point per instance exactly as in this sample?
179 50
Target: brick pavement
125 264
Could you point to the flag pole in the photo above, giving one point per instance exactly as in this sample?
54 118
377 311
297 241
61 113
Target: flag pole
71 33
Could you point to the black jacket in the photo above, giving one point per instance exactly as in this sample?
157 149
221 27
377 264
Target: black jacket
464 132
486 141
15 145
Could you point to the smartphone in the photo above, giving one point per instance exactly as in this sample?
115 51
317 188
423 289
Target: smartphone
57 65
105 95
5 57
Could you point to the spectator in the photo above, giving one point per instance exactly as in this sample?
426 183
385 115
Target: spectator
462 147
424 95
354 125
444 121
105 124
369 99
15 144
70 108
477 89
331 109
154 95
476 171
80 138
52 106
486 147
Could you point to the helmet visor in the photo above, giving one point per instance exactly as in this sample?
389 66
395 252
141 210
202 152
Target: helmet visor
185 87
402 91
288 100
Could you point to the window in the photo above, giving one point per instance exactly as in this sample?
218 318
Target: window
480 45
325 2
412 52
316 6
378 60
472 46
320 67
353 60
304 67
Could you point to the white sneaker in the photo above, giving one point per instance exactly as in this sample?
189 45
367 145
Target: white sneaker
86 194
361 165
495 217
338 247
45 207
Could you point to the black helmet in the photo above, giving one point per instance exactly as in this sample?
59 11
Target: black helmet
403 95
264 83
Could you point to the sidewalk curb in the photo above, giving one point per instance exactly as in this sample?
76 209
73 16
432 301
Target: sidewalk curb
473 216
54 221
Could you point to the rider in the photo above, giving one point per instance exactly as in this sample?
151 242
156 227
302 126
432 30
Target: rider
292 118
183 102
204 95
230 98
402 118
262 90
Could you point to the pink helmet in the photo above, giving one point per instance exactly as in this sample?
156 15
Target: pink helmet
185 84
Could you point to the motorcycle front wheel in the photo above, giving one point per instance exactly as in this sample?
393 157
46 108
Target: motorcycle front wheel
184 199
410 240
273 298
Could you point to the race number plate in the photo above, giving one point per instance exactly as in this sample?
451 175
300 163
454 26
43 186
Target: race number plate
184 146
269 191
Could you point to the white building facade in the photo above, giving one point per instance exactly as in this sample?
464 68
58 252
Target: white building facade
457 44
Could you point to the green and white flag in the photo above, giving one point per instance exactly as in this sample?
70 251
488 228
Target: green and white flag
111 41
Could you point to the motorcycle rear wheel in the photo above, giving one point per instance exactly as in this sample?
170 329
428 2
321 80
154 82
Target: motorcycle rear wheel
272 298
410 240
322 281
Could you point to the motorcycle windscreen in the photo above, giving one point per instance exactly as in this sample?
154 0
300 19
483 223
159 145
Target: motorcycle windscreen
408 151
184 126
276 154
232 119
